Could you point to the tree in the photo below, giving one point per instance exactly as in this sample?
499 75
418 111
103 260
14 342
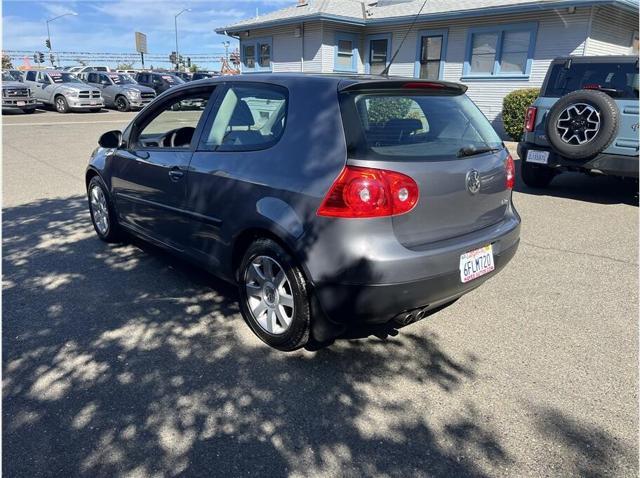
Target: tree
194 68
124 66
6 62
383 109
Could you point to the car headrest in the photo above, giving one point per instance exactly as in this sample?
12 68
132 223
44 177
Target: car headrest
241 115
404 124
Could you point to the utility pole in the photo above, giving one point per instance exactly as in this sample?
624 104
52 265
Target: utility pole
175 19
48 42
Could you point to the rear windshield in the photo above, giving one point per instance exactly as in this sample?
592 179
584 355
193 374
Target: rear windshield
618 79
414 126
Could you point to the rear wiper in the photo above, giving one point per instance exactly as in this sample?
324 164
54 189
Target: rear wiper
466 151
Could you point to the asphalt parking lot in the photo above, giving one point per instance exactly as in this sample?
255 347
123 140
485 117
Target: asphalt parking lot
121 361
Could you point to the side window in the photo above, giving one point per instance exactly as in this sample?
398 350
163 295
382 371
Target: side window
102 77
92 78
249 118
31 76
143 78
43 78
175 123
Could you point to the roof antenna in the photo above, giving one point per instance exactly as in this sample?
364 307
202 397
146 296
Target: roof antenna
385 72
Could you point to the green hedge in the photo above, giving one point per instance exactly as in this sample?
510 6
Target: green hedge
514 109
383 109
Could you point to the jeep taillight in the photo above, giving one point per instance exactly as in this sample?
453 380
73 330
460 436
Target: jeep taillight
368 192
530 119
510 169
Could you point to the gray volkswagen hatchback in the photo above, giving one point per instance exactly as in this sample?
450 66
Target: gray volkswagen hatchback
329 200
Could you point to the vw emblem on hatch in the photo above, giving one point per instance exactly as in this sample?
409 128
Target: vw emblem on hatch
473 181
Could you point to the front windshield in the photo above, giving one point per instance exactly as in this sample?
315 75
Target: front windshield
7 76
122 79
63 77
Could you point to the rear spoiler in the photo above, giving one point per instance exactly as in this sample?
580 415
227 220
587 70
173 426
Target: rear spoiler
444 87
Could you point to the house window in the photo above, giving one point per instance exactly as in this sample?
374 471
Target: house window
378 53
431 52
250 56
346 52
256 55
506 50
265 55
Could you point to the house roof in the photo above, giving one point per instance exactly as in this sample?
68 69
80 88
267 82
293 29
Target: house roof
370 12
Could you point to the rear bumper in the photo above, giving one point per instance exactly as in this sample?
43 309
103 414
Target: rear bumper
609 164
438 283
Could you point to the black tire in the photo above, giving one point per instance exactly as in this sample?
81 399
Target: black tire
609 115
122 103
28 111
113 232
536 175
60 104
298 331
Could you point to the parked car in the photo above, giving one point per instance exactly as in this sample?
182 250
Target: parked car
160 82
63 90
183 75
200 75
585 119
329 200
16 96
86 68
119 91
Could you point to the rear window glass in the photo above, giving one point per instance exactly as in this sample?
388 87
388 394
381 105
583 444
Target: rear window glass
414 126
619 79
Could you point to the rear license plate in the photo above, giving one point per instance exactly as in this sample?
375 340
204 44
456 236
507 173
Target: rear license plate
20 103
540 157
474 264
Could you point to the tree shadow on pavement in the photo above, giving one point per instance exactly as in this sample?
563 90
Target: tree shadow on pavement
119 361
580 449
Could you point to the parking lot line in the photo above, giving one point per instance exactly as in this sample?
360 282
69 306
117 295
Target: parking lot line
64 122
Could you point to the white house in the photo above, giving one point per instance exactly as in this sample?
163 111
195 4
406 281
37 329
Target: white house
492 46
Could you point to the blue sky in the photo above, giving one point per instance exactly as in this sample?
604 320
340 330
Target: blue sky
109 26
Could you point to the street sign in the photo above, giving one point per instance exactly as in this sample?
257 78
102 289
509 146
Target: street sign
141 42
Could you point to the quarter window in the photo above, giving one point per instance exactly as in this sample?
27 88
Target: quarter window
248 118
501 51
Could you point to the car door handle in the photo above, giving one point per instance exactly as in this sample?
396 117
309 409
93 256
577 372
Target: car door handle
176 174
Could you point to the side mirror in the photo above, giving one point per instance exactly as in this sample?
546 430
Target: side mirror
110 139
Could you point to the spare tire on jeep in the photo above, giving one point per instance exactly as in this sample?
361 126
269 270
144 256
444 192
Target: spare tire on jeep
582 124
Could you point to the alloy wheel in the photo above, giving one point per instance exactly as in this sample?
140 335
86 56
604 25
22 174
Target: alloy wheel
60 104
99 209
578 123
269 295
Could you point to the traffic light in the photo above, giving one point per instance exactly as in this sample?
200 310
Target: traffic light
47 43
41 57
188 62
172 57
36 58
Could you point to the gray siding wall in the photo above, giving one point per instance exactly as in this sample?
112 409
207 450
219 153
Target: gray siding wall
586 31
559 34
611 32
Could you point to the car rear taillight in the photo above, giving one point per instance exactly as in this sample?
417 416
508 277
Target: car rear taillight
530 119
510 169
369 192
